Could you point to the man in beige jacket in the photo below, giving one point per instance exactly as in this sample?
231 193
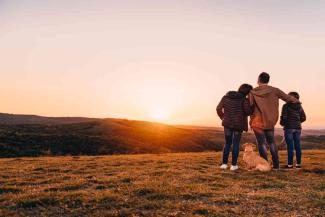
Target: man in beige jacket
265 101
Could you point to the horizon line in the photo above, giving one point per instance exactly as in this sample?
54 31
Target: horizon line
322 127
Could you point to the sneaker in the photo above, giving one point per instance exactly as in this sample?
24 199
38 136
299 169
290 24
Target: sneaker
276 168
298 166
289 167
224 166
233 168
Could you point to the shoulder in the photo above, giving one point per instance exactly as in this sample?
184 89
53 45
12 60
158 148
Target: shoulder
223 99
275 89
278 91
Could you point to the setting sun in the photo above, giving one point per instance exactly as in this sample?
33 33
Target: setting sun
159 114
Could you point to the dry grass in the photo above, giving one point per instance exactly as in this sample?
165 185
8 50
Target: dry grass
187 184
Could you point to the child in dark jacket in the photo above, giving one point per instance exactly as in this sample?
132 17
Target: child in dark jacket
233 110
291 118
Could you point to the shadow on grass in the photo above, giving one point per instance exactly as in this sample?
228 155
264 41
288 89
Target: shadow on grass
66 188
315 171
6 190
32 203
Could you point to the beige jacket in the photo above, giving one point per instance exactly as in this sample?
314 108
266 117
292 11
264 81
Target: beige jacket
265 100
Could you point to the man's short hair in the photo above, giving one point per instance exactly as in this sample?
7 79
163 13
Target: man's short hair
245 89
264 78
294 94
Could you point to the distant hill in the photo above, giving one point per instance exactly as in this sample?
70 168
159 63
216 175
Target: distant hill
29 135
35 119
94 137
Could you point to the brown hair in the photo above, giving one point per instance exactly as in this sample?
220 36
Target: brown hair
245 89
294 94
264 78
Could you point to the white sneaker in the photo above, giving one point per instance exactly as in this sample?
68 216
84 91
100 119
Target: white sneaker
233 168
224 166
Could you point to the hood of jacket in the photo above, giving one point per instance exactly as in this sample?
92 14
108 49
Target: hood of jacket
262 91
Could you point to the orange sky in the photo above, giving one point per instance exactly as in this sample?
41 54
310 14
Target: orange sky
148 60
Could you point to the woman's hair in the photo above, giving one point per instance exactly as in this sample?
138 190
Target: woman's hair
294 94
245 89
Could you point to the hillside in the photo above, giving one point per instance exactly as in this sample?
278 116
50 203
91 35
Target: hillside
181 184
12 119
39 136
108 136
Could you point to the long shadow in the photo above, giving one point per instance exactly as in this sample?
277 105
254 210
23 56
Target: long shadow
315 171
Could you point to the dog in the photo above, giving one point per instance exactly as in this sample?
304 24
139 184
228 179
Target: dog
253 161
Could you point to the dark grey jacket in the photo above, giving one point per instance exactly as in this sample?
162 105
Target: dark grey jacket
292 116
233 110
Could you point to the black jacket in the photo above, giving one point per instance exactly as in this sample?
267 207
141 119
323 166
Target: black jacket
292 116
233 110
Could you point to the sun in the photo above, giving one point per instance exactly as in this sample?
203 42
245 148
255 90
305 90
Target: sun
159 114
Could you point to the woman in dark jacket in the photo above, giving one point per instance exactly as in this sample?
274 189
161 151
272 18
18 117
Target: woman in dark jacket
233 110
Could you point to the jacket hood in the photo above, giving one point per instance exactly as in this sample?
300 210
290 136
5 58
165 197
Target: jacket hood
262 91
294 106
234 95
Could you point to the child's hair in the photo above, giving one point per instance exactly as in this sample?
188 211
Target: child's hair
294 94
245 89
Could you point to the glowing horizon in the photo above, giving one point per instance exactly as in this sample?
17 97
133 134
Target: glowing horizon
161 61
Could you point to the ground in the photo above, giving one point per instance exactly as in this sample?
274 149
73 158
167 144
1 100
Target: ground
180 184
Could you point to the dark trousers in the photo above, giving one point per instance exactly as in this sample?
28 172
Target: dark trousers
292 137
232 137
266 137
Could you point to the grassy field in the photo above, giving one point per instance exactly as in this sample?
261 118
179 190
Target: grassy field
185 184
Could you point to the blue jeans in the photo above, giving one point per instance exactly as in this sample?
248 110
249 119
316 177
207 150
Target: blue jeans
232 137
264 137
292 137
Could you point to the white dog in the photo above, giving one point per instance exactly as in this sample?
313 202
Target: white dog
254 161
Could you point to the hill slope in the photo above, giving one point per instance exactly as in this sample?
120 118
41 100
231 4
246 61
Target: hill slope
35 136
108 136
12 119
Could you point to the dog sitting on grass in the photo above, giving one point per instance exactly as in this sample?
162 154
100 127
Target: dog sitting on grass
253 161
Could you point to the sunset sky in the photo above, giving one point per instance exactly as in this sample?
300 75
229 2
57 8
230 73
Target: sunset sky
167 61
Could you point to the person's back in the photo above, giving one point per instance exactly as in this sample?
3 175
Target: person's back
265 99
292 116
233 110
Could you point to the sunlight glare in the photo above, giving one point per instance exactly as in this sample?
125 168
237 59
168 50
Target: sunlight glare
159 114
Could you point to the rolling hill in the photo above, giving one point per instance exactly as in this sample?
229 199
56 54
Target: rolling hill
102 136
29 135
11 119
